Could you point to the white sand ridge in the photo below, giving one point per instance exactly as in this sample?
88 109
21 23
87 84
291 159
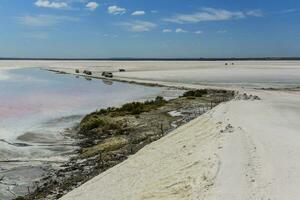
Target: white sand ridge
239 150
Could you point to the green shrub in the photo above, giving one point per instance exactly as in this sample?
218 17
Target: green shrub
134 108
91 123
104 117
138 107
94 121
195 93
110 144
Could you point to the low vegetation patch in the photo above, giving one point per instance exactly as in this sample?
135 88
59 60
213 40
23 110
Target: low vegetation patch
105 119
195 93
110 144
95 121
203 92
133 108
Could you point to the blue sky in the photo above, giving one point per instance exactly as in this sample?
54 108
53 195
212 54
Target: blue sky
149 28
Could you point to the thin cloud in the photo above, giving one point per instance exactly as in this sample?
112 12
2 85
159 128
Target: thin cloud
51 4
139 26
116 10
180 30
167 30
138 13
286 11
255 13
43 20
92 5
199 32
211 14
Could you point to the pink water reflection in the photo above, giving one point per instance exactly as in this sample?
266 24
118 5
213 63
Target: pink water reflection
40 95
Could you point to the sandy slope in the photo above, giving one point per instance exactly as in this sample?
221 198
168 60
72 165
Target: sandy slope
261 160
256 158
182 165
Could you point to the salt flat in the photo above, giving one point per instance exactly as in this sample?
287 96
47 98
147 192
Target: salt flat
242 149
221 73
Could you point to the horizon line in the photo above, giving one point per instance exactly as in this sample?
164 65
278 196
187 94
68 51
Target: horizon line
157 59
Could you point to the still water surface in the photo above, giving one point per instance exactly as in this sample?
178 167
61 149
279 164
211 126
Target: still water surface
35 108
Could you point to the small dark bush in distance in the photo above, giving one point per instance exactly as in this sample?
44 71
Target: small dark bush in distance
195 93
107 74
87 72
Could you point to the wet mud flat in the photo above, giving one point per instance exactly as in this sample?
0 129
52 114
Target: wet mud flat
109 136
34 154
